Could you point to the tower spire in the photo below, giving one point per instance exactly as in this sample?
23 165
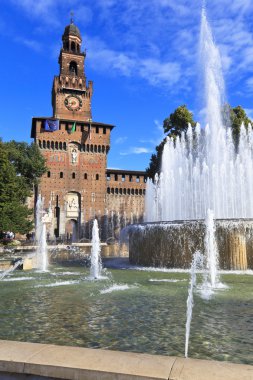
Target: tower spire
71 17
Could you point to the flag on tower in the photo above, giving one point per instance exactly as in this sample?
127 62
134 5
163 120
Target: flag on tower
73 129
51 125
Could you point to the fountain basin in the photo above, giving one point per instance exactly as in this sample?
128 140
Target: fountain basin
172 244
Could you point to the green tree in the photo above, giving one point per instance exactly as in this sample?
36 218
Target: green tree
27 160
14 214
237 117
178 121
173 126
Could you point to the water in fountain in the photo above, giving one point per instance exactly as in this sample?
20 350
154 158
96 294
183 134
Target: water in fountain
202 170
41 236
96 263
197 262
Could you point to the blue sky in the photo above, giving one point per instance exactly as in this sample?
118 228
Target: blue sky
141 55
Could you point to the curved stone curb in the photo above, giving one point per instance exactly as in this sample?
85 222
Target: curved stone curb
19 359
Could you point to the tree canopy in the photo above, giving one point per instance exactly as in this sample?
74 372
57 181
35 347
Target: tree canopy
21 166
177 123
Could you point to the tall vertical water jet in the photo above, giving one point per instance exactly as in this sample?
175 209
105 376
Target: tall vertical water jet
96 263
41 236
211 252
202 170
197 262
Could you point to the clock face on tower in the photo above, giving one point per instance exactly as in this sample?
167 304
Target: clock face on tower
73 102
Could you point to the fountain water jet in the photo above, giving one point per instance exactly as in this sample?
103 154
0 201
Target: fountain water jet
96 263
41 236
202 170
197 262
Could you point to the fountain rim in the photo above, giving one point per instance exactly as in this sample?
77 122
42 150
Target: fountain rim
188 221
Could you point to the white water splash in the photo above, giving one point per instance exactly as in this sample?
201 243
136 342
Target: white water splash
116 288
41 236
11 269
59 283
96 263
197 262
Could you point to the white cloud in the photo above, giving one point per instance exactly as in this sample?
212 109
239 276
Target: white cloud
32 44
136 150
249 84
155 72
120 140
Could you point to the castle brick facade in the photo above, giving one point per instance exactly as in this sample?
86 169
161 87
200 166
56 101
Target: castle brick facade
78 186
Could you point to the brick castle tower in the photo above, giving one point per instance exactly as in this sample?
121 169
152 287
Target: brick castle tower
78 186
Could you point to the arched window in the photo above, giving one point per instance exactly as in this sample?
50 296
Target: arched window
48 144
73 46
73 175
91 148
95 148
73 68
85 175
140 192
120 191
60 145
136 192
97 177
48 174
112 190
52 144
40 143
44 144
56 145
132 191
99 149
124 191
117 190
108 190
64 146
88 148
128 191
61 174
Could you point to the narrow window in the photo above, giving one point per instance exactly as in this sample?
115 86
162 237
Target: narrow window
85 176
61 174
73 175
97 177
48 174
97 129
104 131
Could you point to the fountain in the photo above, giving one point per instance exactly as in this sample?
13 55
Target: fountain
201 171
41 235
96 263
221 328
